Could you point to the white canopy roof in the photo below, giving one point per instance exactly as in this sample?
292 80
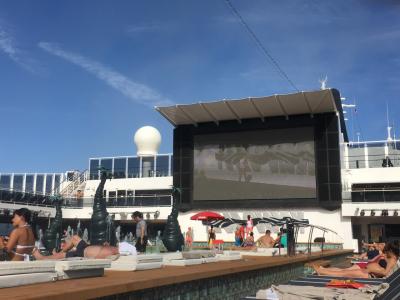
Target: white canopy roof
314 102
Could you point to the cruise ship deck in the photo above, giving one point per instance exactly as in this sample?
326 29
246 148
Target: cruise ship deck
213 280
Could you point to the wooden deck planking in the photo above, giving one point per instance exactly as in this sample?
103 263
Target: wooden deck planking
117 282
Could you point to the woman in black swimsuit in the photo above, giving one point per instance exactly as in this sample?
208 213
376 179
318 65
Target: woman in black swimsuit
77 247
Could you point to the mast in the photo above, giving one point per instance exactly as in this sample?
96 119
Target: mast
389 137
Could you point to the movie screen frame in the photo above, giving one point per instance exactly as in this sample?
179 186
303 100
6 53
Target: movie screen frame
262 164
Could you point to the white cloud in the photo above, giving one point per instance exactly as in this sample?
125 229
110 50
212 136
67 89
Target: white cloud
8 47
144 28
138 92
389 35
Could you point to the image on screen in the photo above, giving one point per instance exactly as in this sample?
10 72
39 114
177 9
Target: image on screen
260 164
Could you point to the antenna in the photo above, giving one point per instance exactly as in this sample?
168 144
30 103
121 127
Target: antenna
394 137
352 116
324 82
389 137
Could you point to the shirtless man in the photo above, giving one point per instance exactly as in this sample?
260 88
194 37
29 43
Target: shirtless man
266 241
82 249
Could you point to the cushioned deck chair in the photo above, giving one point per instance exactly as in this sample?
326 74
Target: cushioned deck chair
318 280
389 279
304 281
393 292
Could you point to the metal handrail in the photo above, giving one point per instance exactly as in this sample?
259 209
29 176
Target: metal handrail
79 202
77 180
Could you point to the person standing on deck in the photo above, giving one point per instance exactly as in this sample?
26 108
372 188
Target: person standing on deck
242 231
249 225
141 232
211 236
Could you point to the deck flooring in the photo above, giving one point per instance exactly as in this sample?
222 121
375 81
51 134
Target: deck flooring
117 282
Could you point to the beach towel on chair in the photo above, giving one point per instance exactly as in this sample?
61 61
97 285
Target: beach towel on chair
289 292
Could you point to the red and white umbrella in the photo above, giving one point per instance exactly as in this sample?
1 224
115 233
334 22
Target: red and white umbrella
207 216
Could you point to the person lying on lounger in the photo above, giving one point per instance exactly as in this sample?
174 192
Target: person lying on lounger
22 239
373 250
391 253
77 247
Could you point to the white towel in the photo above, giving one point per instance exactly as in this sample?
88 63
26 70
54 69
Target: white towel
126 249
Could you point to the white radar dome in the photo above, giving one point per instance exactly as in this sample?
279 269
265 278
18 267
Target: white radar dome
147 140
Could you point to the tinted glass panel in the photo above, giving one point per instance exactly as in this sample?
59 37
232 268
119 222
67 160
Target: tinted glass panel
18 179
57 179
5 181
147 166
39 183
29 183
106 164
133 167
49 183
162 165
119 167
152 197
94 169
121 195
112 198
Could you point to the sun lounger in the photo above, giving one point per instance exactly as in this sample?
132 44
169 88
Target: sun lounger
207 260
191 261
341 277
391 284
68 269
28 278
16 273
264 252
323 282
312 292
184 262
24 267
198 254
137 262
171 255
229 255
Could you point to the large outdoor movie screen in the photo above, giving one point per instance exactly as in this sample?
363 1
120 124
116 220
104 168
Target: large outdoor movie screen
259 164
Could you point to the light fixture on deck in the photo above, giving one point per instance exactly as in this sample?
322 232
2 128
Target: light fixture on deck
385 213
395 213
372 213
362 213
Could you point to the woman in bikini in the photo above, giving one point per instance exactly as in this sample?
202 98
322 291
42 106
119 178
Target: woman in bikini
22 239
249 225
77 247
391 252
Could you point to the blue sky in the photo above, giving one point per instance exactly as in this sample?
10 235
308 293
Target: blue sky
78 78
